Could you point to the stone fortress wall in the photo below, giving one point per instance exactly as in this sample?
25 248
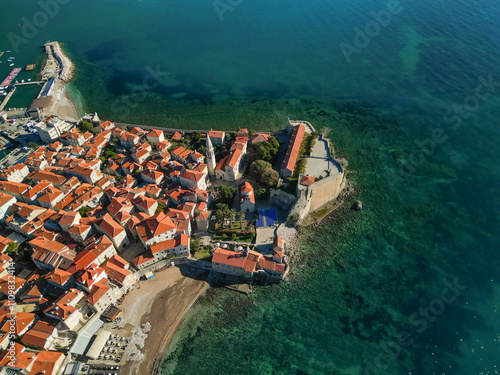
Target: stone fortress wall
325 189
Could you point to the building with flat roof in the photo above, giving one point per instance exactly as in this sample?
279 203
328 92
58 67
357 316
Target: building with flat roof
52 128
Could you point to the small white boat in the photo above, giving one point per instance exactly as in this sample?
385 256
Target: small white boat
11 65
22 81
29 79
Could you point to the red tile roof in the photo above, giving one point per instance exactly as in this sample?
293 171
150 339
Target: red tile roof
293 149
216 134
307 180
110 226
155 133
58 277
260 137
154 226
22 320
247 190
235 259
97 292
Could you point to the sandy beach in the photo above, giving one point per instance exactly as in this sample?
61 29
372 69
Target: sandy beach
64 107
151 314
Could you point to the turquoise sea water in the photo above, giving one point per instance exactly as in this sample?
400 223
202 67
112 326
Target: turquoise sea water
407 110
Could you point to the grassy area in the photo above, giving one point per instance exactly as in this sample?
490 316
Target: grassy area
203 254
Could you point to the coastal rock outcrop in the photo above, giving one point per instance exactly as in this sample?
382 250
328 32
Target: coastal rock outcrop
357 206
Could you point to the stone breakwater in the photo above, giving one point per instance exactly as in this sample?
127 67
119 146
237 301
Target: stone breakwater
54 51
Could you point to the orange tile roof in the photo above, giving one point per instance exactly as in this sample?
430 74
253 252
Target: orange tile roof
97 292
216 134
141 153
22 359
60 310
13 187
35 338
170 244
116 272
272 266
118 260
235 259
247 190
45 363
110 226
155 133
192 175
235 157
307 180
177 151
143 258
58 277
106 125
293 149
154 226
49 176
144 202
202 216
22 320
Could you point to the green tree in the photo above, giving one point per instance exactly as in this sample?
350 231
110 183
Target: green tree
268 150
227 193
83 211
263 171
195 246
230 137
221 212
85 126
261 193
11 247
196 137
33 145
162 207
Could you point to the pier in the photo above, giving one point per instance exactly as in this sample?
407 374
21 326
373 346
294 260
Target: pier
56 57
7 98
30 83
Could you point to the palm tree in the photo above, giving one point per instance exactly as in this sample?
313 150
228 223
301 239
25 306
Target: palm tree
232 215
240 216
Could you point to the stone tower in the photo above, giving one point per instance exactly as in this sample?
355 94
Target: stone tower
210 157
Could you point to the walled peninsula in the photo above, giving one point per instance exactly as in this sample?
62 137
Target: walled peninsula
110 232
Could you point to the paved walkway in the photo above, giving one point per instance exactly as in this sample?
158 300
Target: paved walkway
320 163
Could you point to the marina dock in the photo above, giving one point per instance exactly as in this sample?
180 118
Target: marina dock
7 81
5 101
